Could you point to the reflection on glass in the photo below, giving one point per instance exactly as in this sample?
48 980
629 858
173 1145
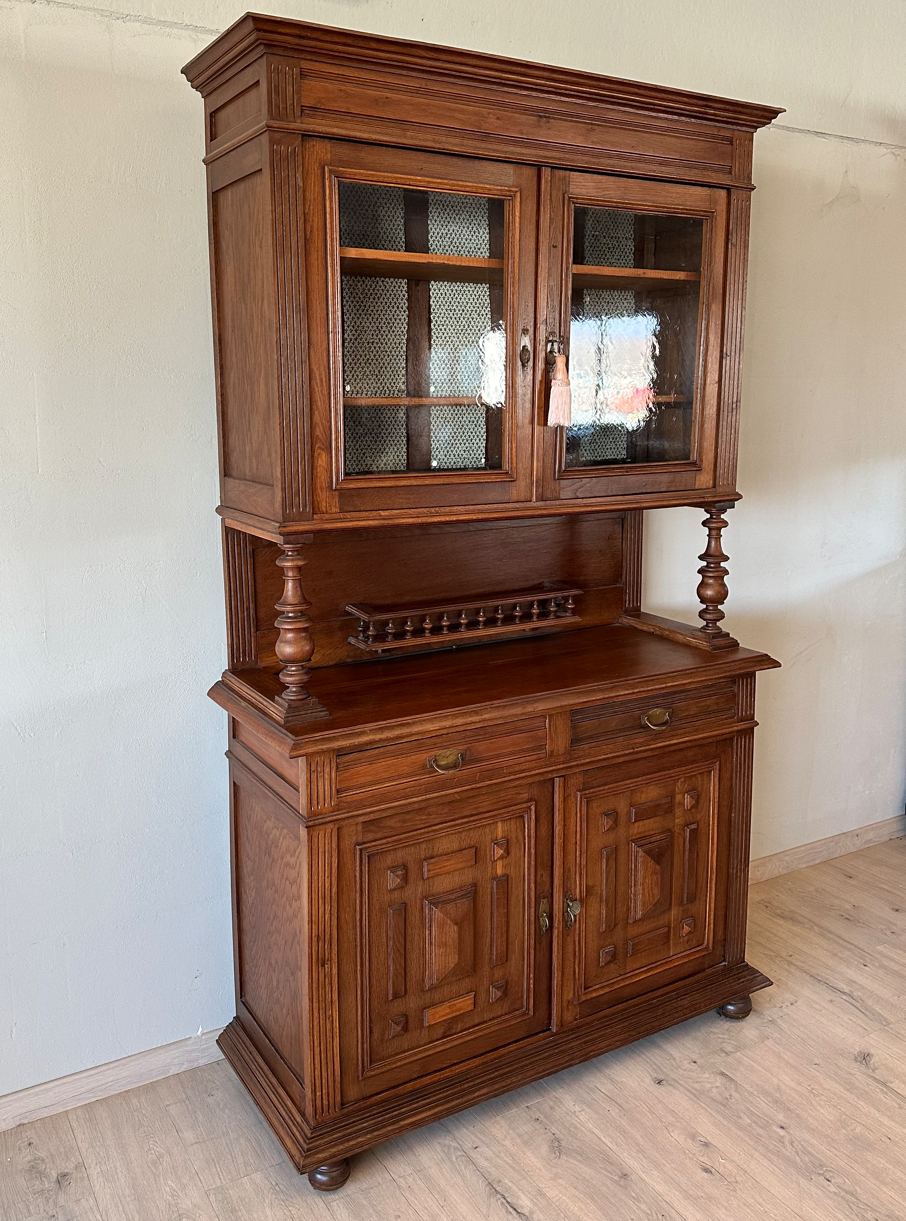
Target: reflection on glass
633 336
424 341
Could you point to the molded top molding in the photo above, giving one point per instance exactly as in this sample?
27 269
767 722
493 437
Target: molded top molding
521 83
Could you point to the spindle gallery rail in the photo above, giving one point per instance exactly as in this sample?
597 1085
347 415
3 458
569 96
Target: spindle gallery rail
386 629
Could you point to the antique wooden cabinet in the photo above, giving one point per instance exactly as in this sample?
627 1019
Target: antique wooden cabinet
489 818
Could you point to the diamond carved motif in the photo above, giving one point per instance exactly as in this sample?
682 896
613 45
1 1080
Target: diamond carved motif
397 1025
396 877
650 876
449 936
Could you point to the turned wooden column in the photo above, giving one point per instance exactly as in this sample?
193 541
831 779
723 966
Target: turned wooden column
712 588
294 645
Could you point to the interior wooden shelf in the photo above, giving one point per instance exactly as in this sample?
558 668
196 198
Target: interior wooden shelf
638 278
437 401
408 265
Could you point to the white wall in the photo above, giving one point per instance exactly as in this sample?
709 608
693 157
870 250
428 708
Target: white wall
114 920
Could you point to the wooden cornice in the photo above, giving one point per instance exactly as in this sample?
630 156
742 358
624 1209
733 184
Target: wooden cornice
523 83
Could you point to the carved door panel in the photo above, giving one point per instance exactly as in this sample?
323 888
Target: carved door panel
642 843
449 957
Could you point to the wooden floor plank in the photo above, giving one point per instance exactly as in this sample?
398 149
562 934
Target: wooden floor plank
695 1175
42 1174
798 1113
220 1127
136 1162
435 1158
546 1147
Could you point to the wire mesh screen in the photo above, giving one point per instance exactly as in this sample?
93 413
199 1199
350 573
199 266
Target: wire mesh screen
375 314
372 217
458 438
458 224
609 237
374 439
460 314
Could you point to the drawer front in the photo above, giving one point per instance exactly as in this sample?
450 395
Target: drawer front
465 753
643 718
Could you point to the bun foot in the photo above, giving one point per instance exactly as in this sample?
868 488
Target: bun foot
330 1176
738 1009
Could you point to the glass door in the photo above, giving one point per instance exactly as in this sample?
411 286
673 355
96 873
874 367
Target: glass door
428 352
636 309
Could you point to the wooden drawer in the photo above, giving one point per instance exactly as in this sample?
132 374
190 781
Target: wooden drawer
621 721
484 749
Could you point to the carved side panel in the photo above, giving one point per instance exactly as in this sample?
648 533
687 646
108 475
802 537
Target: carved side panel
645 857
286 161
242 627
267 866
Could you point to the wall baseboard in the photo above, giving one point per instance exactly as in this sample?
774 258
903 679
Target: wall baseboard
826 849
51 1097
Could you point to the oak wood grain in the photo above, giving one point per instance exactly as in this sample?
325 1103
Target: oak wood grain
136 1163
42 1173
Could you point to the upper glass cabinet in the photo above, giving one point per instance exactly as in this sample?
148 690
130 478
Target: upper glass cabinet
434 306
635 307
429 283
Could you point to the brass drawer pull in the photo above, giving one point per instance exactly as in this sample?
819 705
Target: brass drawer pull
447 761
657 719
571 909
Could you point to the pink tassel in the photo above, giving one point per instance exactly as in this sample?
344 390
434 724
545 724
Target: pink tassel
560 411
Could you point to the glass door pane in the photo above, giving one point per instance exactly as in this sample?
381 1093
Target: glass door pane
423 329
634 336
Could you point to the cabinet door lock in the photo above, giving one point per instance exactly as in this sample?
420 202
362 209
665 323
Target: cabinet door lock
544 915
571 909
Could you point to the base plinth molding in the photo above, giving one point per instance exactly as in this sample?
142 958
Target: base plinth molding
365 1123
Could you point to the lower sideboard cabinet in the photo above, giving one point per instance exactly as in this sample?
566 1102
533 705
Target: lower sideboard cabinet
397 964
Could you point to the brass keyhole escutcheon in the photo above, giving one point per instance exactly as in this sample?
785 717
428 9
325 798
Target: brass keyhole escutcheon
447 761
657 719
525 349
571 909
544 915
